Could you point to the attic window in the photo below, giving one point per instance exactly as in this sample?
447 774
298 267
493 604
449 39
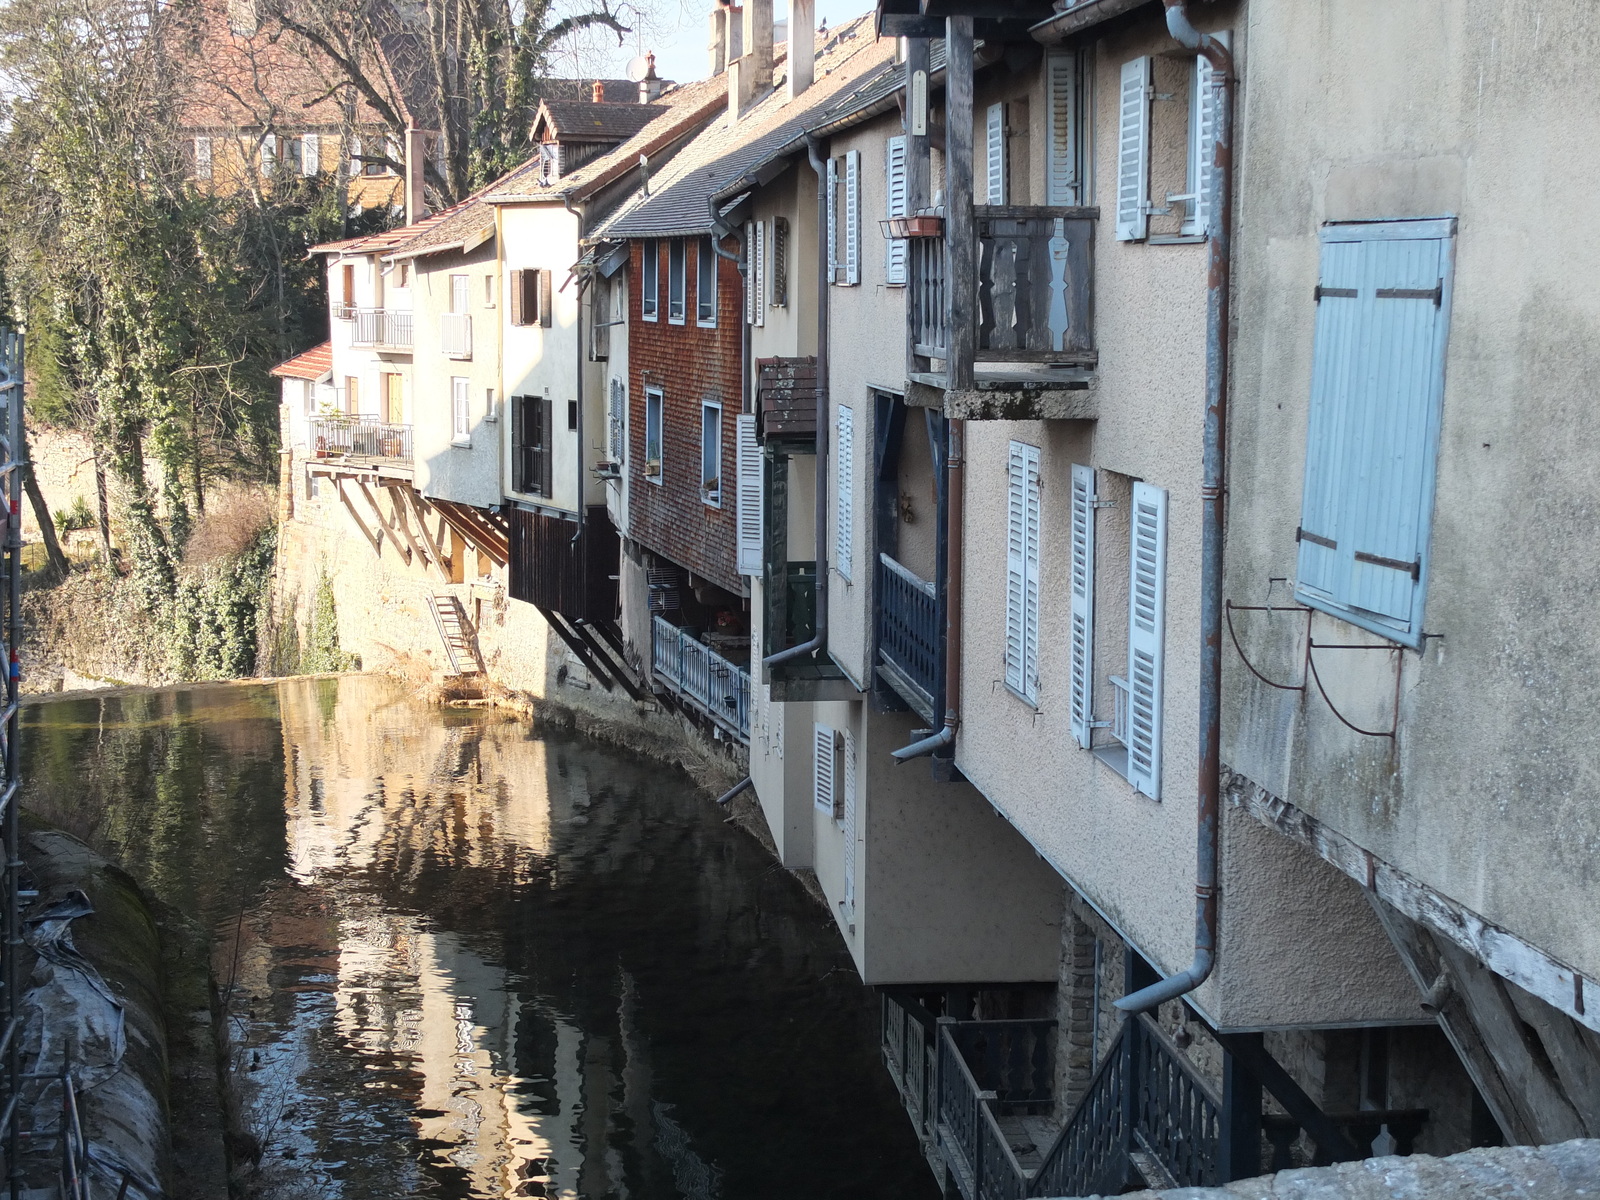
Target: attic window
549 161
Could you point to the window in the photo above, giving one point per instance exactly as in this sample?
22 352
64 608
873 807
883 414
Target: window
347 292
393 406
309 397
711 453
202 158
616 419
269 153
293 152
1133 151
826 793
459 293
705 284
677 282
779 286
488 291
310 155
531 441
844 218
650 289
490 413
845 468
402 275
352 396
1377 384
652 434
530 298
898 205
748 452
549 162
460 412
1022 571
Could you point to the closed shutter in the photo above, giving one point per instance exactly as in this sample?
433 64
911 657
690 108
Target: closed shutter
833 220
844 531
995 159
546 313
823 768
1081 634
1133 151
519 474
748 452
1061 161
848 822
1032 532
310 154
852 217
546 445
1147 602
1022 570
895 188
517 315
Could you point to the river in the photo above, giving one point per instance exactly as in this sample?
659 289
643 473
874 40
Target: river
465 958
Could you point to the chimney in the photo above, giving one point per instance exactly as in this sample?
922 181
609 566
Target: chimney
416 165
650 85
750 75
802 45
598 92
717 47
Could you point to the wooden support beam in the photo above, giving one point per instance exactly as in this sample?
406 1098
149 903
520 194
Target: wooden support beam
419 506
384 523
375 539
1250 1053
405 526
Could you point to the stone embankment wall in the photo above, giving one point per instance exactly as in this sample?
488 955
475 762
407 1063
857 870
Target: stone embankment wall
1564 1171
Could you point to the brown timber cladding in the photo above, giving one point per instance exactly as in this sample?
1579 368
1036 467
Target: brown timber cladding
552 570
788 397
690 364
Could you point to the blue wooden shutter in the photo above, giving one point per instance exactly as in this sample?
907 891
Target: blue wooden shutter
1016 562
1133 151
1061 158
1081 586
845 495
995 158
852 217
749 518
848 822
833 220
1147 617
824 769
895 192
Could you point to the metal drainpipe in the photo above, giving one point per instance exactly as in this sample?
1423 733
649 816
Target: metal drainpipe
577 538
1217 279
742 262
820 637
955 468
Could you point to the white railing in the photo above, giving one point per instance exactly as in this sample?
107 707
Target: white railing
1119 716
383 327
691 669
455 334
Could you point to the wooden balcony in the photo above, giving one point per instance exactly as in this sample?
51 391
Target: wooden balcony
1030 312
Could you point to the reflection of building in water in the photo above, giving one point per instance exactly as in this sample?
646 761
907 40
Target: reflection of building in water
512 1097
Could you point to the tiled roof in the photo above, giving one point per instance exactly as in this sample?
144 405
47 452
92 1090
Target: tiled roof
852 61
470 223
577 121
313 364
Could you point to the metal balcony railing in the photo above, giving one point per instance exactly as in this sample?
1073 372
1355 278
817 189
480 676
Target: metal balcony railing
383 328
455 335
908 634
693 670
359 437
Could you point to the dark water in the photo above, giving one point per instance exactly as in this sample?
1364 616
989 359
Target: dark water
470 961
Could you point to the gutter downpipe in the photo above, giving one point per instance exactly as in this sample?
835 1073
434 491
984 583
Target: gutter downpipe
955 470
1211 500
819 639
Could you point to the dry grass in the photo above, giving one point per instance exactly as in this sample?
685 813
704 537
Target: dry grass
233 520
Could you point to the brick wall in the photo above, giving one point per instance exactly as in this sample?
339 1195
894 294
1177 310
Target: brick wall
690 365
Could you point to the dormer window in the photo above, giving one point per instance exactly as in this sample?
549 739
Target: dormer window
549 162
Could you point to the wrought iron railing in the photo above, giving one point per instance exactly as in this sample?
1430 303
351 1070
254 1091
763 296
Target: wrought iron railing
908 633
1177 1115
1089 1156
359 437
383 327
455 334
695 671
930 297
908 1051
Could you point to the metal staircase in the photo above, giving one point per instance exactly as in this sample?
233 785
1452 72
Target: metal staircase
456 632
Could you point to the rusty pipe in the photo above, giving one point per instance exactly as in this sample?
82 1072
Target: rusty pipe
1208 817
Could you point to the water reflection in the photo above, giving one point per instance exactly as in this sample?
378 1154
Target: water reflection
467 961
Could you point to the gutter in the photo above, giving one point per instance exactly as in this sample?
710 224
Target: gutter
819 639
1211 529
955 469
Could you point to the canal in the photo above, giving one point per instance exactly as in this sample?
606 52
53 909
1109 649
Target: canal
468 959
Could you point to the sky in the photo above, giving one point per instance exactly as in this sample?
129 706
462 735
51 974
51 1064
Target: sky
675 30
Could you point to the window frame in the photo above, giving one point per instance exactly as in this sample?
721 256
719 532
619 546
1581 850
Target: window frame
677 282
460 411
650 281
705 271
654 431
711 431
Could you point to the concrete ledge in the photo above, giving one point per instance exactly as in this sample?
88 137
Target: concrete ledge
1563 1171
1024 404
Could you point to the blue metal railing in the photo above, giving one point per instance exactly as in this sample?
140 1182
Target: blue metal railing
693 670
908 630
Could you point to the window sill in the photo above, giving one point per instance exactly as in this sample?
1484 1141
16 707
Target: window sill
711 501
1176 239
1032 703
1114 756
705 324
461 443
676 321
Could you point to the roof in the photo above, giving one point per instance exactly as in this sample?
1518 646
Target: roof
464 226
679 112
313 364
853 60
580 121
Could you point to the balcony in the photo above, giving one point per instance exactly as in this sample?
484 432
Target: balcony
908 636
359 438
455 335
383 328
787 395
700 676
1030 317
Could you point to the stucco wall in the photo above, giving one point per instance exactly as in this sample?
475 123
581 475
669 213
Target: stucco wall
1487 793
365 363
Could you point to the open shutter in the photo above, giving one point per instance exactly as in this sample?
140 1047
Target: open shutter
1061 163
1147 603
833 220
517 317
848 822
547 441
1202 133
844 530
748 452
310 154
852 217
750 270
1016 563
1133 152
546 316
995 159
1082 587
895 188
823 784
519 435
761 274
1032 533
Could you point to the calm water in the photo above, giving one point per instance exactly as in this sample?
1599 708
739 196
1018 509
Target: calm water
470 961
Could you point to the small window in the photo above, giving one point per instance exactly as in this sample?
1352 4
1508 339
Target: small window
711 453
652 434
460 411
490 412
780 263
269 153
488 291
572 416
530 298
310 398
705 285
202 158
402 275
650 289
294 154
677 281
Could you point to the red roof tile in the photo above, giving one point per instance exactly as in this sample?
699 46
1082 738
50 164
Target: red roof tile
313 364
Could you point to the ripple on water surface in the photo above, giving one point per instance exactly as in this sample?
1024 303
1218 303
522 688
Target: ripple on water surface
470 961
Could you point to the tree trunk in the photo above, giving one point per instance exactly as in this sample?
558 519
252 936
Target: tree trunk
41 514
103 507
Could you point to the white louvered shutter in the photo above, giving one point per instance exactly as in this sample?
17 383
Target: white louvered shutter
996 156
1022 570
823 783
355 156
310 155
760 288
1133 151
748 453
1202 132
844 531
852 217
1032 534
269 153
1147 602
1082 589
1061 163
750 272
898 206
833 220
848 822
